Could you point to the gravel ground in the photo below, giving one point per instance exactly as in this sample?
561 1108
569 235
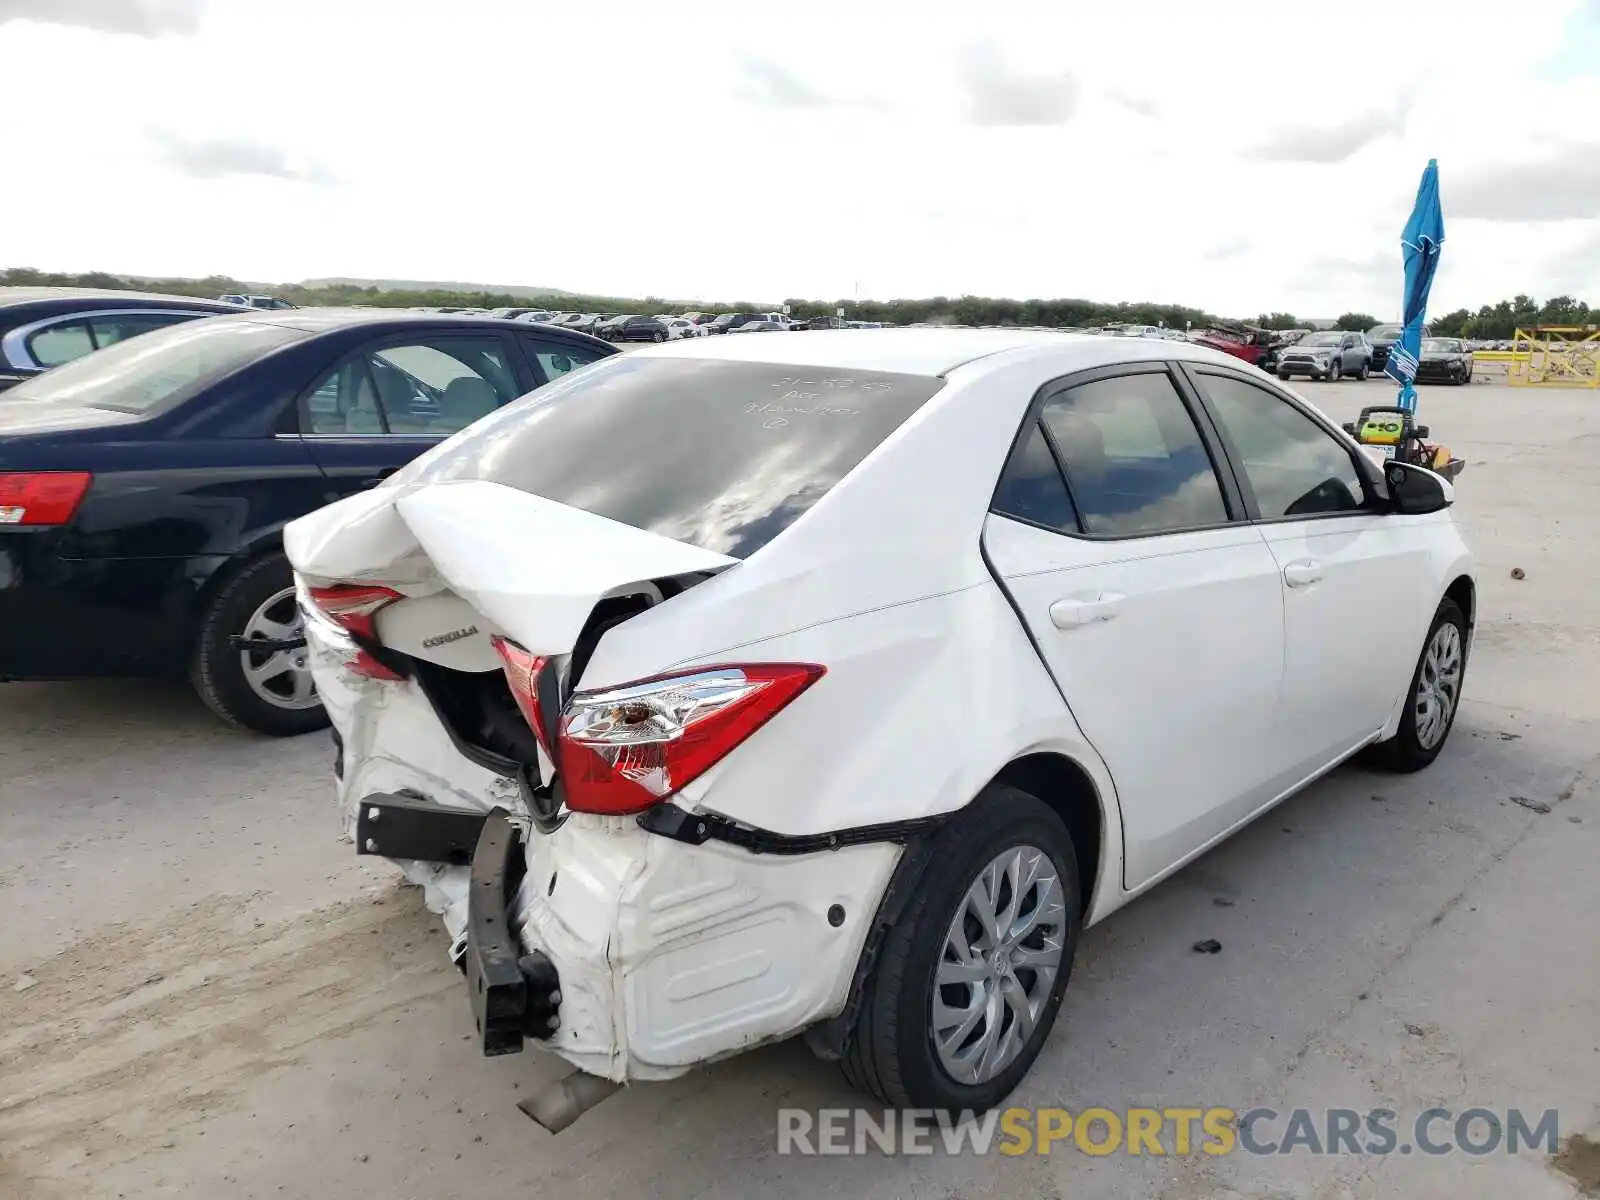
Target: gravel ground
203 992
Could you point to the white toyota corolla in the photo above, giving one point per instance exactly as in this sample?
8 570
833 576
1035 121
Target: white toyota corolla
743 687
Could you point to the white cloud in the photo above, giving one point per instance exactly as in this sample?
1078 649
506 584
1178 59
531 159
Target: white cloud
1115 152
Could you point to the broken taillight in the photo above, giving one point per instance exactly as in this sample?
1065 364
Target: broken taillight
623 749
354 609
41 497
522 674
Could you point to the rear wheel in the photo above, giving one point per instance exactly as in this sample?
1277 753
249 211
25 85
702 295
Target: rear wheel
268 690
1365 372
658 336
970 978
1435 694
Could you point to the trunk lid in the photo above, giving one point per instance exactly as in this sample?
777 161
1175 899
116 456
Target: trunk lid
533 569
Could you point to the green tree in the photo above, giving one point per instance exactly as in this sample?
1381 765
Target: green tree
1278 320
1357 321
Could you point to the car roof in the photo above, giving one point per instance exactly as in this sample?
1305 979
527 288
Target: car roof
929 351
36 295
322 320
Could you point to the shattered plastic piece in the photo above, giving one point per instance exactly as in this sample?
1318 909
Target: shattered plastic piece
1208 946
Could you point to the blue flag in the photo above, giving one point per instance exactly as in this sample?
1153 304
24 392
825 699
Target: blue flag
1420 243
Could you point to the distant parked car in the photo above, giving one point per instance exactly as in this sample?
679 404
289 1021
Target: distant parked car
759 325
1444 360
1281 341
824 323
515 314
1384 336
608 327
639 329
1328 354
580 322
681 327
43 327
728 322
143 488
264 302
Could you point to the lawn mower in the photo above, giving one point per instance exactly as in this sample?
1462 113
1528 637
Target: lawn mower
1392 432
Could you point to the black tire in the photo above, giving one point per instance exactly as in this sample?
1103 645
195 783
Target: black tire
1283 375
1366 371
658 336
217 670
1336 371
1404 752
891 1054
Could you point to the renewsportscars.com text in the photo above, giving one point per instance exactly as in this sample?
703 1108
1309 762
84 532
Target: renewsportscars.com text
1168 1131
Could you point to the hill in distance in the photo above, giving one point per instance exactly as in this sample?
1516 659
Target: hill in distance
425 285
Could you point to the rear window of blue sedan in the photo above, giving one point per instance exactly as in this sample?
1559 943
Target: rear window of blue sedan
145 374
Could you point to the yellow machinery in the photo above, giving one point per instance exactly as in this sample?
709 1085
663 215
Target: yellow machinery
1556 356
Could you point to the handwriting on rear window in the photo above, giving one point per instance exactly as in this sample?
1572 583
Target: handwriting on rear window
801 407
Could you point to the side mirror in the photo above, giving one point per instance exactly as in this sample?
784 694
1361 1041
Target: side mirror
1416 490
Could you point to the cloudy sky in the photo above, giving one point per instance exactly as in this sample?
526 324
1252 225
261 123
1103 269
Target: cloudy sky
1231 155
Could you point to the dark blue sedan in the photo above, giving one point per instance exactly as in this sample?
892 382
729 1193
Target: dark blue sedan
144 488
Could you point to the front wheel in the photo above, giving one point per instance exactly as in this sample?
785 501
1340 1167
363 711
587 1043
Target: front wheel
1283 375
1435 694
1335 372
658 336
268 690
970 978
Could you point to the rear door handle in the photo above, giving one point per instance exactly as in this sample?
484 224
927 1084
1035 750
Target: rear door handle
1303 573
374 480
1076 612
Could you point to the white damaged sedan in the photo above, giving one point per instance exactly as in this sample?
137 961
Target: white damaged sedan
739 688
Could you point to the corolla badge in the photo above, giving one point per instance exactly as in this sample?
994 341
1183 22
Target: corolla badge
444 639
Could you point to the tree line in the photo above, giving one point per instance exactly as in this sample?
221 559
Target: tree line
1490 322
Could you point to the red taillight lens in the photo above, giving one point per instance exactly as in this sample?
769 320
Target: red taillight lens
41 497
522 673
354 608
624 749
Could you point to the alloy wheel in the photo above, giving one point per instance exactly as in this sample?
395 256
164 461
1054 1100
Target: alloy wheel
281 677
1438 685
998 965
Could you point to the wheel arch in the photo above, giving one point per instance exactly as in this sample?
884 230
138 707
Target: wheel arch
1050 776
1071 793
1464 591
266 542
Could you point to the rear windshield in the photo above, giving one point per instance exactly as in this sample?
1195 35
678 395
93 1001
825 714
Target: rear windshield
142 374
722 455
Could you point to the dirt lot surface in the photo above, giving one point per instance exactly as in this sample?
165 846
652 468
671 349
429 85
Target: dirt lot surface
204 993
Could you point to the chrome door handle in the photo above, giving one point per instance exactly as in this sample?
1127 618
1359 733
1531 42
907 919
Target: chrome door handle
1074 613
1302 574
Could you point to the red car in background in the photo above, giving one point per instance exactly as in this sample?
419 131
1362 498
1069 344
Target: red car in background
1248 342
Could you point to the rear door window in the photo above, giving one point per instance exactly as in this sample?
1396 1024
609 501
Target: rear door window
57 344
722 455
110 329
1134 458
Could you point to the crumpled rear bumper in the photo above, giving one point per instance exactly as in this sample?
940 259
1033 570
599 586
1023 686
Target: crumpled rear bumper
670 955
